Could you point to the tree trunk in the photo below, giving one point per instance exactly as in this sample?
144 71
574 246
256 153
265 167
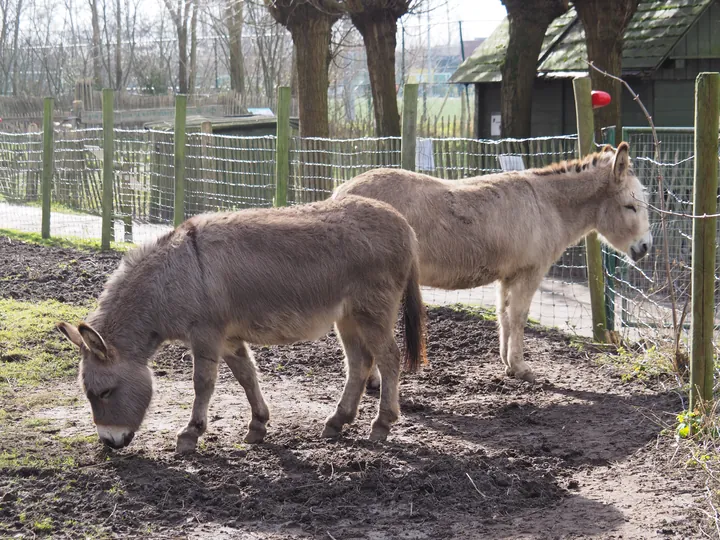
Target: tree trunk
118 47
13 61
311 31
192 76
293 75
234 22
529 21
182 59
96 59
605 22
378 29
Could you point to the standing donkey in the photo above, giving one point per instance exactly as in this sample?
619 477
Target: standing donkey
271 276
510 227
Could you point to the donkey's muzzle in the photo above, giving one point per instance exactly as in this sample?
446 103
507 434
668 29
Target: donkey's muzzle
117 442
638 252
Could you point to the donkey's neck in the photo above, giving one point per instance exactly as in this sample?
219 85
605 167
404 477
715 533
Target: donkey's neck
127 328
576 197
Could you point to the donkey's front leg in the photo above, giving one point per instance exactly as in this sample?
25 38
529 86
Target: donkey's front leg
205 369
503 298
521 293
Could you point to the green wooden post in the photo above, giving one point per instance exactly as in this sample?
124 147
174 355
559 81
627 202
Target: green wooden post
409 127
107 184
593 251
707 110
47 171
180 137
282 147
610 259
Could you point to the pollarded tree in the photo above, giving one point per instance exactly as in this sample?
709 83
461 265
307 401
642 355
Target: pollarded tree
529 20
310 24
376 20
605 23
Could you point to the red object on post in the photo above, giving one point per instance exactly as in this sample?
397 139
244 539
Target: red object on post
600 99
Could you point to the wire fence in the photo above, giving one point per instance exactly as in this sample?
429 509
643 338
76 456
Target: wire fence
229 173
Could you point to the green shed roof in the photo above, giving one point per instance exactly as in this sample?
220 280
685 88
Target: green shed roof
652 33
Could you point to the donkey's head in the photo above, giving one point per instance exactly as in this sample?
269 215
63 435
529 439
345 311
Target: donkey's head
623 213
119 389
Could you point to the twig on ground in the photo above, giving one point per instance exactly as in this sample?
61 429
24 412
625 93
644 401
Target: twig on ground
476 488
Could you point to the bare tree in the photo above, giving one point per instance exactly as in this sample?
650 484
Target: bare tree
96 38
310 24
181 14
605 22
376 20
234 24
529 20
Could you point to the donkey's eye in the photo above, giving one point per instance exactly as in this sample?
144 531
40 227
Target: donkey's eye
106 394
631 207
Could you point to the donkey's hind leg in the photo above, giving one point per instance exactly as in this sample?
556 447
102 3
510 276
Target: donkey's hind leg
239 359
522 290
378 336
206 354
358 362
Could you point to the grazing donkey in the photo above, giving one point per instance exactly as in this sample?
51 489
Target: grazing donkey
510 227
272 276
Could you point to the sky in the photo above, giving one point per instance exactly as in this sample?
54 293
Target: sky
479 19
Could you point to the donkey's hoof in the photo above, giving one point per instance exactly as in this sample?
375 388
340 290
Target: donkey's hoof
379 434
331 432
255 436
186 445
526 375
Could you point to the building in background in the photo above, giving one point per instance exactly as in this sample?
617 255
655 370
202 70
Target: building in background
667 43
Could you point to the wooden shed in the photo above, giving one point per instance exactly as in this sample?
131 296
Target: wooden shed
667 43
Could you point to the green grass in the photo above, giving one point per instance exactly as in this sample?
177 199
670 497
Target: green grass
31 349
70 242
11 459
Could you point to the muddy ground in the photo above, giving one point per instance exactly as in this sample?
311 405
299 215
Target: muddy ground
475 454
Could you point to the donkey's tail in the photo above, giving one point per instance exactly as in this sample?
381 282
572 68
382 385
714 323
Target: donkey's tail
414 322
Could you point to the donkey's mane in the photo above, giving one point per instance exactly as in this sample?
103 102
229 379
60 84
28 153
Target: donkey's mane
130 261
598 159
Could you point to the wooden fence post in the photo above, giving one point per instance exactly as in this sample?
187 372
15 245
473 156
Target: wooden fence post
47 171
179 168
707 109
108 103
282 146
409 127
207 166
593 251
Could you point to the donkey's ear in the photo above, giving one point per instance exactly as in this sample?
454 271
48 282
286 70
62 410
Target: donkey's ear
70 332
93 341
621 161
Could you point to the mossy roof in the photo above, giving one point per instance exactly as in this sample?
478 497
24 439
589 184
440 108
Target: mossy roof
654 30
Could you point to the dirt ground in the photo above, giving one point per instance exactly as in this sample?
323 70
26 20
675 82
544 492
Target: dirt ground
474 455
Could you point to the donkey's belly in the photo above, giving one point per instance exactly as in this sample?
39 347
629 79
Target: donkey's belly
452 276
286 328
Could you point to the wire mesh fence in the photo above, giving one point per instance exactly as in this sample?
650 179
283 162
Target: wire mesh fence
229 173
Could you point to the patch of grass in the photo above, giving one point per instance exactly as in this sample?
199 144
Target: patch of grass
31 349
76 440
11 459
69 242
638 365
43 526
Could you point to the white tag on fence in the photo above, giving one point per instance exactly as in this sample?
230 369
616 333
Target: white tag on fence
424 159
